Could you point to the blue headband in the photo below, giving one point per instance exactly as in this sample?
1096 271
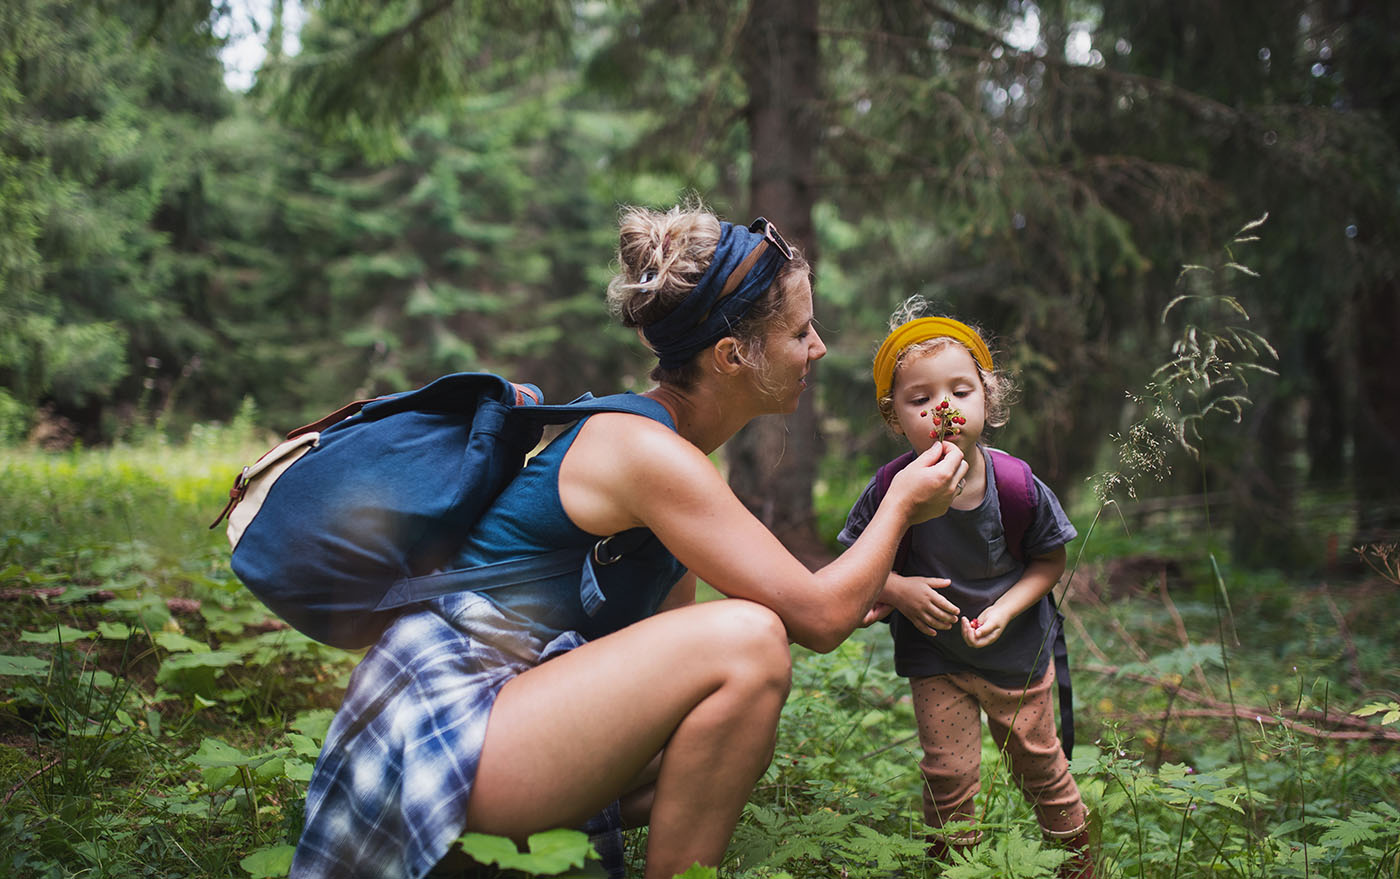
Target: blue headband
709 313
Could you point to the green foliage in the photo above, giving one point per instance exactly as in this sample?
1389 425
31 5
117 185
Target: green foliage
99 135
132 746
550 853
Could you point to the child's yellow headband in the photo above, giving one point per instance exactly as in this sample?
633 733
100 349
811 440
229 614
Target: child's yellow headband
918 331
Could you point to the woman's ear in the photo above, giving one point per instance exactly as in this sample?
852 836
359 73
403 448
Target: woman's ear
726 357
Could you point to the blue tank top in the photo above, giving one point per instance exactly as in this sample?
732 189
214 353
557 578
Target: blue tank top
529 519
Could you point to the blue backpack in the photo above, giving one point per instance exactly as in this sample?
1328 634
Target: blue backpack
349 520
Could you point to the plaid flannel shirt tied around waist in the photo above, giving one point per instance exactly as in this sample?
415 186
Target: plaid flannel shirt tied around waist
389 793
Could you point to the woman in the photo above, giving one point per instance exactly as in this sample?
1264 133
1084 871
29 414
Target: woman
455 720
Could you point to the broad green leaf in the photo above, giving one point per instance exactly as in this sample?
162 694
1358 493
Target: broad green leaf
298 770
555 851
195 670
1391 709
174 642
58 634
115 631
549 853
271 862
303 745
314 723
218 760
489 849
24 666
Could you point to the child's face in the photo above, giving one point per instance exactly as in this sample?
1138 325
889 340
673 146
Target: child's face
925 381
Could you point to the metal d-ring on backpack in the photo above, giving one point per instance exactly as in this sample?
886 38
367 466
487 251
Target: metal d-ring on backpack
350 519
1016 498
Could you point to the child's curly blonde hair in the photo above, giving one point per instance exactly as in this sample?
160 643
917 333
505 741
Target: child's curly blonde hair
996 384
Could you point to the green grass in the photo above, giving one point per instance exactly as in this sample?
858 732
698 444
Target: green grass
145 736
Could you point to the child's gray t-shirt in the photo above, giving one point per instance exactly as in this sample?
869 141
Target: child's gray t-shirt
968 547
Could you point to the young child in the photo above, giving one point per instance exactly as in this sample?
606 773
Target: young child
973 627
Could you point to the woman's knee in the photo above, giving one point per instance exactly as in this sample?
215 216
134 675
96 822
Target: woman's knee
753 641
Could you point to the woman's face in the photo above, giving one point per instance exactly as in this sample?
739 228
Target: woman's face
790 348
921 383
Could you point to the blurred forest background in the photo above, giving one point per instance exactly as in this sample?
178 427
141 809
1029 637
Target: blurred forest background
414 187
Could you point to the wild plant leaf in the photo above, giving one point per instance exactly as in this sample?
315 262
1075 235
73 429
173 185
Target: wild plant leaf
115 631
313 723
886 851
23 666
220 763
1391 709
270 769
12 572
232 620
695 871
217 763
795 849
59 634
270 862
298 770
303 745
213 752
873 717
195 671
549 853
1358 828
174 642
151 610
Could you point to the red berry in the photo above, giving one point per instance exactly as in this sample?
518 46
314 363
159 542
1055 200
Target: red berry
943 405
976 624
923 414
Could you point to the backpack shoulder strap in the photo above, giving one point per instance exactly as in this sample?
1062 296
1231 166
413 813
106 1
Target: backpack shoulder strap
1016 496
883 477
635 404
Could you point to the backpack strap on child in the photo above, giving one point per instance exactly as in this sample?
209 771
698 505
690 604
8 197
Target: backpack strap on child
1016 499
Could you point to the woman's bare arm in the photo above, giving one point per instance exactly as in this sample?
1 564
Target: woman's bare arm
624 472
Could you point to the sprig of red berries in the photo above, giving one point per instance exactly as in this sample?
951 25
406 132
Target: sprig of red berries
947 421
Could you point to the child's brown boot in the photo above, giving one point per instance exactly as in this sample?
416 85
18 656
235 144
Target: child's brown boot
1080 863
948 849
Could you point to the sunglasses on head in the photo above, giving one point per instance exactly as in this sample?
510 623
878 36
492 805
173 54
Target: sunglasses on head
770 233
771 237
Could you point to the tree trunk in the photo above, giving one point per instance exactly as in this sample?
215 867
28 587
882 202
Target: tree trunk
1377 426
1372 44
1263 511
773 461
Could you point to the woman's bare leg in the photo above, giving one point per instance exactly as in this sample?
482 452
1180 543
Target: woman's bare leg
635 804
706 682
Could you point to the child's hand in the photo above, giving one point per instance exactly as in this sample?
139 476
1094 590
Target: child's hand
876 613
987 628
918 599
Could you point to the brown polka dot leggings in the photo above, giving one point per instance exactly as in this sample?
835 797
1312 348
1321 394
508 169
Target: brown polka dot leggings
1022 723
